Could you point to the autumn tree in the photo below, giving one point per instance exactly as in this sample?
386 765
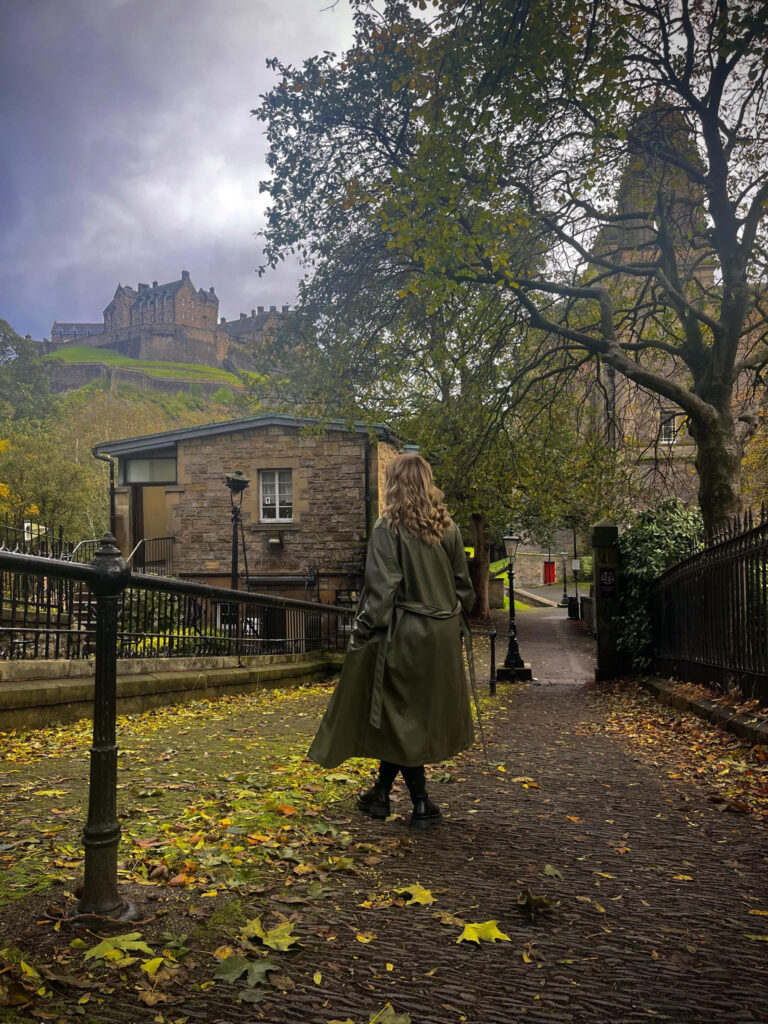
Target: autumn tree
489 145
446 378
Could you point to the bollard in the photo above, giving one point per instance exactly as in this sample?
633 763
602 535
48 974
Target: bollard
101 835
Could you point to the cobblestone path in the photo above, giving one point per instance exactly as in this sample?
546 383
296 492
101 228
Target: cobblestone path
654 884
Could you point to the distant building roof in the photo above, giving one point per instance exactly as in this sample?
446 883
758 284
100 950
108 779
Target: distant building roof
69 328
166 440
256 322
157 291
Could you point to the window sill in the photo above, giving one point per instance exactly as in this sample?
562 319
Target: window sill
276 527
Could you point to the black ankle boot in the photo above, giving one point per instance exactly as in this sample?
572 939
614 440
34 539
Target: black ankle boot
374 801
425 813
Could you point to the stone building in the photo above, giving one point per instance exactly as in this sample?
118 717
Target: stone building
313 497
174 322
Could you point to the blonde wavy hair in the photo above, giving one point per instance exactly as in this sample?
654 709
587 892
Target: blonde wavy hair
412 500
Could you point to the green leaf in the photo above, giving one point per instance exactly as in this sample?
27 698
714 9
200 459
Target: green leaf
250 995
487 931
258 971
552 871
231 968
535 904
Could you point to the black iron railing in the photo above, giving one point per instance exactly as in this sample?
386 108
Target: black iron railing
47 610
153 555
711 612
51 607
32 538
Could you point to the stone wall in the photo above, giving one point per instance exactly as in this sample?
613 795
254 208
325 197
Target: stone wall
70 376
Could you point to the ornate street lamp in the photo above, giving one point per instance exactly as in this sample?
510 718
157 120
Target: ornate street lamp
237 483
514 667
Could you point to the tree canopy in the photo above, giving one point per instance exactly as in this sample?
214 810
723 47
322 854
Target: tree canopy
602 165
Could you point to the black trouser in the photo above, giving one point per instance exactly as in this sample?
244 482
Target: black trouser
415 778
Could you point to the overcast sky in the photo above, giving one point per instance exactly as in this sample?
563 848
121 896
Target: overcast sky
128 152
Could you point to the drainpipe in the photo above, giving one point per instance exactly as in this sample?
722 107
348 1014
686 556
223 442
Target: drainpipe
112 512
367 491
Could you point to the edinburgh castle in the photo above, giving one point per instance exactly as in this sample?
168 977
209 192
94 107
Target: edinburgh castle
173 322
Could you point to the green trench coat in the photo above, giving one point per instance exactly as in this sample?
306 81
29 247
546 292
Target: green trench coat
402 695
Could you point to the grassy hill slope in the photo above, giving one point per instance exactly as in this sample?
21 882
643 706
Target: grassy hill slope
107 356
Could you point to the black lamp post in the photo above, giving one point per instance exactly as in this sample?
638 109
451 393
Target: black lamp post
237 483
514 667
564 598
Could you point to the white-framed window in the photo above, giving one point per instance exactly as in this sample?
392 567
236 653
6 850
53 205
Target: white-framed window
667 428
275 495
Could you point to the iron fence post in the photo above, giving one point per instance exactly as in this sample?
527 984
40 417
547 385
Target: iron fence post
101 835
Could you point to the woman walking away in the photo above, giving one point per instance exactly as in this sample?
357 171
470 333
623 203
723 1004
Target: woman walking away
402 696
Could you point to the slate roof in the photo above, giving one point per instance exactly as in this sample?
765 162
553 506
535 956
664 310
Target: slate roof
166 440
68 328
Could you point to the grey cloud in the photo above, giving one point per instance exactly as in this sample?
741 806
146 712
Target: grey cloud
130 151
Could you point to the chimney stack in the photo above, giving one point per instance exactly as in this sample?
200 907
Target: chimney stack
286 309
185 275
243 316
273 309
260 309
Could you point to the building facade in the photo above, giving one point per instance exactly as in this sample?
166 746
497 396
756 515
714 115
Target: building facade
313 496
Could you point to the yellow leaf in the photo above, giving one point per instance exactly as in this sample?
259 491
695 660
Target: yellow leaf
758 938
317 977
206 985
390 967
487 931
683 878
759 913
417 893
152 966
285 809
365 936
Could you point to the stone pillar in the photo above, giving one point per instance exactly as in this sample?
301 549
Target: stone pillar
605 549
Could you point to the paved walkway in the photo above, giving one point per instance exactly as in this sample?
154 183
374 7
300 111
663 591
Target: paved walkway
653 884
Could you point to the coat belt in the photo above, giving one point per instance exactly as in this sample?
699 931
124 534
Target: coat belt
415 608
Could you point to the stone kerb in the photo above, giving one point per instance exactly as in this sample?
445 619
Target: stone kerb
39 694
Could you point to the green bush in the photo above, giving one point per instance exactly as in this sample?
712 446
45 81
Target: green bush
656 540
188 642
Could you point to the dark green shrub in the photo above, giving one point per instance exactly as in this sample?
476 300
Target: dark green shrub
657 539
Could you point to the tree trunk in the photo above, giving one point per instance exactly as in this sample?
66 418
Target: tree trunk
479 566
718 463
